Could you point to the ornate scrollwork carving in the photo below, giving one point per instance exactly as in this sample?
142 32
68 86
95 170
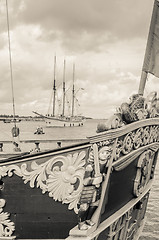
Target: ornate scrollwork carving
104 151
136 139
127 143
118 229
6 226
60 176
126 226
146 135
105 143
144 169
153 134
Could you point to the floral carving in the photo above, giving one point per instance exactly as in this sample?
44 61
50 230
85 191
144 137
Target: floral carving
6 226
127 143
105 143
65 183
60 176
136 139
153 133
146 135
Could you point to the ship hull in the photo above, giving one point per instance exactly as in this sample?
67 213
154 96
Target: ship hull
62 121
42 191
34 214
55 122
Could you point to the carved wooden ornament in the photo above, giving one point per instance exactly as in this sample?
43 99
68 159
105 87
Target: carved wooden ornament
6 226
61 176
144 169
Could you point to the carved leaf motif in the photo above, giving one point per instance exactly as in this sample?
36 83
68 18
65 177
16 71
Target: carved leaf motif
6 226
37 175
153 133
146 135
60 176
65 181
136 139
3 171
8 170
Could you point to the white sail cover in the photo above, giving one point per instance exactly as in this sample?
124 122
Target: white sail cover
151 61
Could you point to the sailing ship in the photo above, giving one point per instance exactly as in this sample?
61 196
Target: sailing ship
95 190
62 119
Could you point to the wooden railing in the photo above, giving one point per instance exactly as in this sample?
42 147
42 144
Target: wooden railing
117 164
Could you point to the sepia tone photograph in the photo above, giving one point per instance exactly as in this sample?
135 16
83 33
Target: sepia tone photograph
79 119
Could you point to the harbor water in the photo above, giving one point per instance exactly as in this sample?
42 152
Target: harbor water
68 136
48 140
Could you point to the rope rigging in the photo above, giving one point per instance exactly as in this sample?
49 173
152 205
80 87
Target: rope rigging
15 129
10 64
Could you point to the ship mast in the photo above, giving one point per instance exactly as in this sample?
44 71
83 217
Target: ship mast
147 65
54 87
64 93
73 91
142 83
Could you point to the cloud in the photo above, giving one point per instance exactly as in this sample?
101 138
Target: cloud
84 25
89 15
105 39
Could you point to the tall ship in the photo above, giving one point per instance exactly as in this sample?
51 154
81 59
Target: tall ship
63 119
95 190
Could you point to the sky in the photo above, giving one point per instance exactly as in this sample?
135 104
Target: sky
104 39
